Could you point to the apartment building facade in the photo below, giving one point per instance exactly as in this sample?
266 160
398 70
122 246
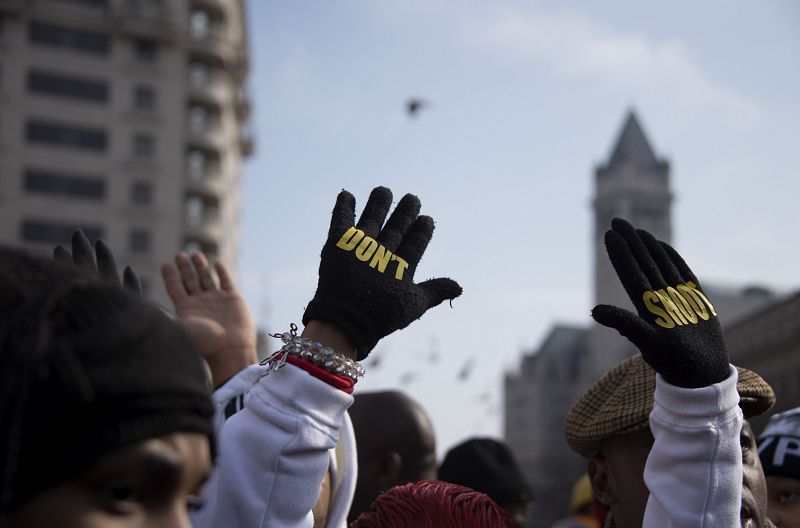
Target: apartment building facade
127 119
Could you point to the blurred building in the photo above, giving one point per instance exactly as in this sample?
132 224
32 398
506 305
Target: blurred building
537 399
767 341
128 119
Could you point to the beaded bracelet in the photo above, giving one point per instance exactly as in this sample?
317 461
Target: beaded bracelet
315 352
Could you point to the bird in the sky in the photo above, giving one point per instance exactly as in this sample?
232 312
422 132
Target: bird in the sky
375 361
465 371
414 105
408 378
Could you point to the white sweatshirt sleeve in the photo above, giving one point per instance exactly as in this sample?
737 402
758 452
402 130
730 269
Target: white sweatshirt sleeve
273 454
694 471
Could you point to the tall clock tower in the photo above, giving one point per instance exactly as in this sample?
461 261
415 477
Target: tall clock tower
633 184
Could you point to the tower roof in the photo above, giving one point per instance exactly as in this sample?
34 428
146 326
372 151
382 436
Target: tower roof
632 146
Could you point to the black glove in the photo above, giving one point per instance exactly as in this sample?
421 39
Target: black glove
366 274
106 267
677 329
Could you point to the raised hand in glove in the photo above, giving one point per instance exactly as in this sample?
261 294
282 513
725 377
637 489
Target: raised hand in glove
366 273
82 256
677 329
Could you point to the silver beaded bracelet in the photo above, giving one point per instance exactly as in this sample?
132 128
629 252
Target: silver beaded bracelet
313 351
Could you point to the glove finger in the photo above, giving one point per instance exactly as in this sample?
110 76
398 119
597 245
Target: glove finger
668 270
344 214
628 324
62 256
416 241
439 290
680 264
131 282
401 219
106 264
630 274
646 262
371 220
82 253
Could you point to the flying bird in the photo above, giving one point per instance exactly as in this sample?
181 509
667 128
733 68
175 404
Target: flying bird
375 362
465 371
408 378
414 105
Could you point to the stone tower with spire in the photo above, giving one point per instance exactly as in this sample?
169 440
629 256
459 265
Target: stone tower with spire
633 184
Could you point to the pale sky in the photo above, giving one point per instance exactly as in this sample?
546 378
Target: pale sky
526 98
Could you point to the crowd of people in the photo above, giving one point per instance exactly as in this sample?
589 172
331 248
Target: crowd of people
116 413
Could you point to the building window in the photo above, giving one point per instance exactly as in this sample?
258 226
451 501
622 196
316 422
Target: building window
64 184
198 119
144 99
93 4
195 209
199 74
196 165
52 233
71 86
59 134
203 118
199 24
145 51
139 241
145 7
62 37
144 147
191 246
141 193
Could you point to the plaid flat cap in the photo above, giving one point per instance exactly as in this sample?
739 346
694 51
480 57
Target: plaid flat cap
621 401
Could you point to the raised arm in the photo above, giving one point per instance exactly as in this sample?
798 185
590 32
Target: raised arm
694 469
275 450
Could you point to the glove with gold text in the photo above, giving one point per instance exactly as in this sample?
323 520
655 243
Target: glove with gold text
677 329
366 272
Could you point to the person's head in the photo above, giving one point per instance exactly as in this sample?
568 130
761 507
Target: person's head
609 426
489 466
104 402
779 449
433 504
395 443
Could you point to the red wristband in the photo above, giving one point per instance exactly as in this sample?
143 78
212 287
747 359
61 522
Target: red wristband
338 382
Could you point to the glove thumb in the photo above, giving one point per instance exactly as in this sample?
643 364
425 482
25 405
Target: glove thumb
628 324
131 282
437 290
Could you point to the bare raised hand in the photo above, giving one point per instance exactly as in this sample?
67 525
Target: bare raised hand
216 317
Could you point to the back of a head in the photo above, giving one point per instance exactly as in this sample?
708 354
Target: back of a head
433 504
85 363
779 445
487 465
408 432
396 444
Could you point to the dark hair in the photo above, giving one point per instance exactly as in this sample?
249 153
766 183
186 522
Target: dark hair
86 363
433 504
